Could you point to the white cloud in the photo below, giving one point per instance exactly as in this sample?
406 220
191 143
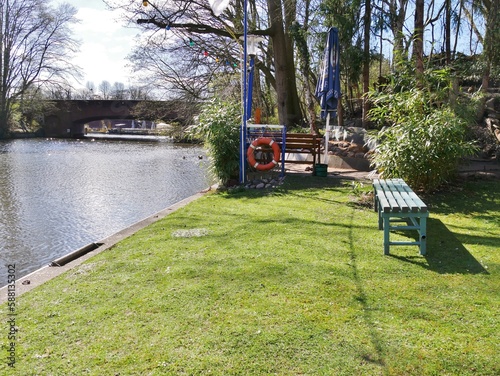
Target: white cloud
106 42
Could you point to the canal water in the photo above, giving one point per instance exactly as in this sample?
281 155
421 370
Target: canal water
57 195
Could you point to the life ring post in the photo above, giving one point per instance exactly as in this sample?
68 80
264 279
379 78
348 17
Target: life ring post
263 141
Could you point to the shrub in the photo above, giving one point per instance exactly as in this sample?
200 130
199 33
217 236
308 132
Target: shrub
424 137
219 126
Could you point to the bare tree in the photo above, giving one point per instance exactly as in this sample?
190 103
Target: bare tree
139 93
90 90
105 90
195 25
36 47
396 11
118 91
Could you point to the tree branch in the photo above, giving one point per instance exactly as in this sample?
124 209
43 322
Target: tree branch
199 28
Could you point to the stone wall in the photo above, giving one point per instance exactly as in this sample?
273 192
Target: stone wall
348 149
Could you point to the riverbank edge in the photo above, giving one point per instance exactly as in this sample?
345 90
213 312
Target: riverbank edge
46 273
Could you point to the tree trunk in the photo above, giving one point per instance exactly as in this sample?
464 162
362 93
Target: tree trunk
491 48
397 13
3 123
447 36
366 63
418 38
304 63
289 111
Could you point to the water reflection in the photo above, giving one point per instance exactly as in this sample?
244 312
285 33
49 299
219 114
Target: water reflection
59 195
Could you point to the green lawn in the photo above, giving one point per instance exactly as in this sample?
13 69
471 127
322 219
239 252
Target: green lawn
287 282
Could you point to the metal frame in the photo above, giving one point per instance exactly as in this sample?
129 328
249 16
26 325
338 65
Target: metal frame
259 130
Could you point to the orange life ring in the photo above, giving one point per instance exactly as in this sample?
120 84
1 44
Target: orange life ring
263 141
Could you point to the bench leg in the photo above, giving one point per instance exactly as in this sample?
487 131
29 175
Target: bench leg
423 235
386 235
380 222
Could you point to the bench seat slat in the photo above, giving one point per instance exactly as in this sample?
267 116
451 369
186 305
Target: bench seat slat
297 146
383 202
403 206
413 196
391 206
387 189
402 189
412 200
409 201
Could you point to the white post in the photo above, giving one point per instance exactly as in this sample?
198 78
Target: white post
327 137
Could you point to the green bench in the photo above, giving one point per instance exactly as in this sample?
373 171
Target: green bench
396 202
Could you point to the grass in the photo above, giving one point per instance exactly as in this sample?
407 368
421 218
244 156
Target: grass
287 282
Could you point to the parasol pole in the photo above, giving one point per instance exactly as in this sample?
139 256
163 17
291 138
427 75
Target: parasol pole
327 137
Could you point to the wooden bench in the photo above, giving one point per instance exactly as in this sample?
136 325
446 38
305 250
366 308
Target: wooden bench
298 143
396 202
302 143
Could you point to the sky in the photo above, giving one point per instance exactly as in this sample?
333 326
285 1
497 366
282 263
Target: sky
105 43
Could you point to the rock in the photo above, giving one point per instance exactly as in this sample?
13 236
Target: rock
491 123
260 186
490 104
357 138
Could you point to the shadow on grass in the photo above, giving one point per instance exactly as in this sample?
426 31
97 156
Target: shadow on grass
377 355
445 253
471 198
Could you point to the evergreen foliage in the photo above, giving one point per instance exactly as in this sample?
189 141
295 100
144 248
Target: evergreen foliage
219 126
424 132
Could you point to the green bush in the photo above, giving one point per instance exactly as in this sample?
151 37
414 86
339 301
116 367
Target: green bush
219 127
424 137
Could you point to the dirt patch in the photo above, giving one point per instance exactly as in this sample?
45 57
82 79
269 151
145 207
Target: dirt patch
190 233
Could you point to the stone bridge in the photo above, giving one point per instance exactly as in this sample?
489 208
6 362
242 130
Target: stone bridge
68 117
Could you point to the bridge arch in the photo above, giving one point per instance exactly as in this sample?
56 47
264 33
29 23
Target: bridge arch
69 116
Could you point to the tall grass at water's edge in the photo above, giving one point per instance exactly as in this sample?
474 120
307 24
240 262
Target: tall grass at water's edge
289 282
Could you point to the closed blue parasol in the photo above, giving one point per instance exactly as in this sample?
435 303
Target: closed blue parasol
328 86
